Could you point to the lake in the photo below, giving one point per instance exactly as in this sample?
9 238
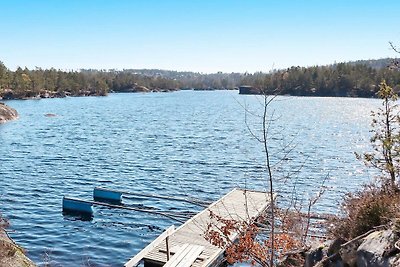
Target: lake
186 143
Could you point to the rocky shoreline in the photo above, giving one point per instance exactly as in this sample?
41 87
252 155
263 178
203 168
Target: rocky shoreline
11 95
11 254
376 248
29 94
7 113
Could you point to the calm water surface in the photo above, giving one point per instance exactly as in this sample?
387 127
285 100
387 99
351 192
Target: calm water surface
181 143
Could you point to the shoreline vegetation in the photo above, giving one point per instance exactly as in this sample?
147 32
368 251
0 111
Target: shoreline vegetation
351 79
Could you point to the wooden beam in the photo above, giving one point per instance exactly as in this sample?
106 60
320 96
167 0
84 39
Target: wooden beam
138 257
176 217
198 202
167 246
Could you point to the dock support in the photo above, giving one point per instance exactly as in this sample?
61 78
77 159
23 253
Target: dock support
115 195
107 195
77 206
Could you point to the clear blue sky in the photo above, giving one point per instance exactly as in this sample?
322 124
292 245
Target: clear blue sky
196 35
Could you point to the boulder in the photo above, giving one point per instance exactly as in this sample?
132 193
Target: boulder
335 246
324 254
8 94
293 259
140 88
7 113
375 248
378 250
332 261
60 94
348 252
332 257
314 254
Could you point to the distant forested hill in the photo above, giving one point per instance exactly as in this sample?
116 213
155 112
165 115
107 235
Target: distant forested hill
357 78
354 79
375 63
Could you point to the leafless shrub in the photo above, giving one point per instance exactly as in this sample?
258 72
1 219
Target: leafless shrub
365 209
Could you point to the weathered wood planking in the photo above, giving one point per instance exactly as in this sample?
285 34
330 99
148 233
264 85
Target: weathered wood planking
231 206
185 257
161 238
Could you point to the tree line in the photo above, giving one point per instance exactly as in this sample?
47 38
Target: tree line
357 79
343 79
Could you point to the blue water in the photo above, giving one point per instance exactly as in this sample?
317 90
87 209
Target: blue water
182 143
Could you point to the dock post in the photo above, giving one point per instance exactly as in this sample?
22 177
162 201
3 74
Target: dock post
167 246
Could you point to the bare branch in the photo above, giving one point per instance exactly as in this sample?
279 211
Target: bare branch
394 48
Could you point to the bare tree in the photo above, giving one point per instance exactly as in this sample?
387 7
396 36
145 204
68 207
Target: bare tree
386 138
280 238
395 63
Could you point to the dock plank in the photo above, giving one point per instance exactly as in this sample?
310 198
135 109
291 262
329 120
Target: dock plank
238 204
190 257
135 260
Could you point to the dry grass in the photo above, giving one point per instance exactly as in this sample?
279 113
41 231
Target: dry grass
365 209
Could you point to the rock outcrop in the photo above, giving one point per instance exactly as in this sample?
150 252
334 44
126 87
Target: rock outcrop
314 254
7 113
12 255
378 248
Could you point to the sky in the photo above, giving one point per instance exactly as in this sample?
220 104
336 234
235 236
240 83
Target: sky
195 35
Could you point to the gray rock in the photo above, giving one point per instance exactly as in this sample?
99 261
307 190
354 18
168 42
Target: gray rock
315 254
293 259
7 113
325 255
334 261
378 250
335 246
348 253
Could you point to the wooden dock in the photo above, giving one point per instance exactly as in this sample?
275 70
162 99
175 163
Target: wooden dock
187 244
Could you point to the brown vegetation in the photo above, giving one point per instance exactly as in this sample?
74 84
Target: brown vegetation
376 204
243 243
364 210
